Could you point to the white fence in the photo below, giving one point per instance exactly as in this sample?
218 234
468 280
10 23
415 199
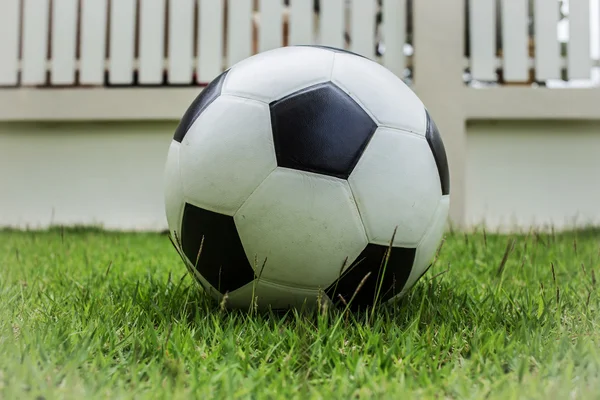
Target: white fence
529 41
187 42
177 42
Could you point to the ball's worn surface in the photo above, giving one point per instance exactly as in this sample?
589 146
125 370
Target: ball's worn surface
289 174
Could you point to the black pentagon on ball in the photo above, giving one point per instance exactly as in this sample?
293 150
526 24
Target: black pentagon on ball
381 281
320 129
203 100
439 153
222 260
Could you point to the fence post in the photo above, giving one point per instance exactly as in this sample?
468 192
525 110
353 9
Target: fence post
438 39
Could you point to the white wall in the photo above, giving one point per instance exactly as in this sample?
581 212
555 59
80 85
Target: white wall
518 174
523 174
107 174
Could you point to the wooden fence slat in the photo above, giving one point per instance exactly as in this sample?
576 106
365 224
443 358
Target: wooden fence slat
547 47
331 23
515 52
362 28
301 22
210 39
394 35
9 42
122 41
482 24
151 41
64 35
239 30
270 33
93 41
579 60
181 41
35 41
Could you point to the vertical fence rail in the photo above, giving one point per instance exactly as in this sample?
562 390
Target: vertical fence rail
239 30
270 34
301 22
122 41
152 41
35 41
482 16
362 31
181 41
93 42
547 47
579 62
9 42
210 39
515 41
394 34
331 25
64 34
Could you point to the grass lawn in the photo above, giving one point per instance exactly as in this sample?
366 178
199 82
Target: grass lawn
90 314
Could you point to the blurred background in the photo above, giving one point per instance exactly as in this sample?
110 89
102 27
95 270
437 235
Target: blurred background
91 92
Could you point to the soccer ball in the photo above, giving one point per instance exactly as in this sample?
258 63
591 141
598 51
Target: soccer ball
306 173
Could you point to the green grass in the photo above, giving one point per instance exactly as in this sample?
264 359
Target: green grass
90 314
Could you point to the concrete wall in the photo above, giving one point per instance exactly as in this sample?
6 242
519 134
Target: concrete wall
518 174
533 174
71 173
